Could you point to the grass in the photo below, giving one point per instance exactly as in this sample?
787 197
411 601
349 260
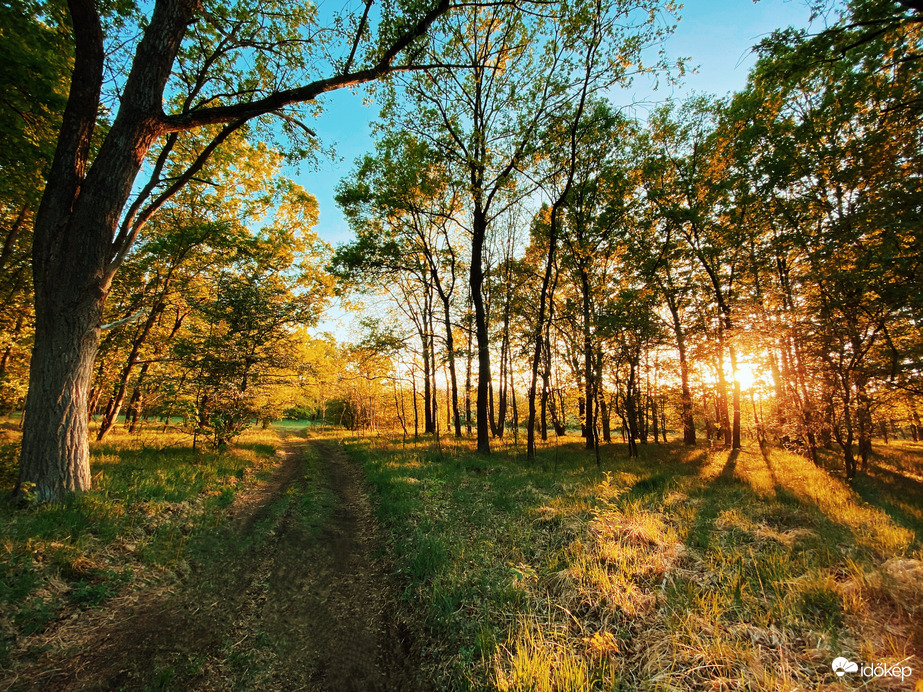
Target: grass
153 498
680 570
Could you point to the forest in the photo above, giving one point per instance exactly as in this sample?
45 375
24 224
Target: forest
604 314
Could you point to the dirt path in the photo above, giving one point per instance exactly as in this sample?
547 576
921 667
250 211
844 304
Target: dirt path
279 604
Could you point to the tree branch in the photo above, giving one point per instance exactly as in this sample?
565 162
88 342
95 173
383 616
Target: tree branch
308 92
359 31
127 234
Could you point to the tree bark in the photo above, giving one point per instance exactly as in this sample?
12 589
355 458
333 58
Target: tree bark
468 357
453 377
588 374
686 395
723 408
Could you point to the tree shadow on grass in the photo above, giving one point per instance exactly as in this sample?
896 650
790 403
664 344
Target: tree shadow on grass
897 495
723 492
866 514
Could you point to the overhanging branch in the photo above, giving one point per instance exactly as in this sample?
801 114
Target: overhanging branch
308 92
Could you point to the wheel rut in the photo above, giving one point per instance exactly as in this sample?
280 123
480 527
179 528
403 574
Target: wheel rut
283 604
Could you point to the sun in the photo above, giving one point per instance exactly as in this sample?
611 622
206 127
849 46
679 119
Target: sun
745 375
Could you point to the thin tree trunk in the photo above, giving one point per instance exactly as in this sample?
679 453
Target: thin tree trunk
723 408
13 235
7 352
112 412
416 413
539 341
468 357
136 402
398 407
686 395
428 425
588 375
513 401
476 282
735 439
453 377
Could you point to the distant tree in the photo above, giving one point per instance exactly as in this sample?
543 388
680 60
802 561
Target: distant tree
839 143
402 206
203 227
688 185
240 349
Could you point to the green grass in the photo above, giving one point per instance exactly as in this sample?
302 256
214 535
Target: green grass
680 570
153 497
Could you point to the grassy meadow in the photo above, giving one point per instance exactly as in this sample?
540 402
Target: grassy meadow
153 499
684 569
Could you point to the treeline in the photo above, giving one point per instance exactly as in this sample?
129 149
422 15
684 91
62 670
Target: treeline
755 256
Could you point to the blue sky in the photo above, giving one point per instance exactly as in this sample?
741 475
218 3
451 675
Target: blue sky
716 35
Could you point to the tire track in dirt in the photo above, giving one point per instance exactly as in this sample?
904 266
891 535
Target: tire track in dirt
291 607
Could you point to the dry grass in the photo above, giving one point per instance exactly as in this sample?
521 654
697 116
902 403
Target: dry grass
684 570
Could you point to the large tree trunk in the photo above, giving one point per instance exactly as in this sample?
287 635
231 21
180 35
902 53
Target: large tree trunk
55 458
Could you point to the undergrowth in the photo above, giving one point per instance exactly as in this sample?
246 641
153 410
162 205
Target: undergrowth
680 570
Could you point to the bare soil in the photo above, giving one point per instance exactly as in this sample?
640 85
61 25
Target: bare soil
277 604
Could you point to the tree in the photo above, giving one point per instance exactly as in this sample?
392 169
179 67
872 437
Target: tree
191 59
38 51
402 204
486 119
838 146
687 183
196 231
240 346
